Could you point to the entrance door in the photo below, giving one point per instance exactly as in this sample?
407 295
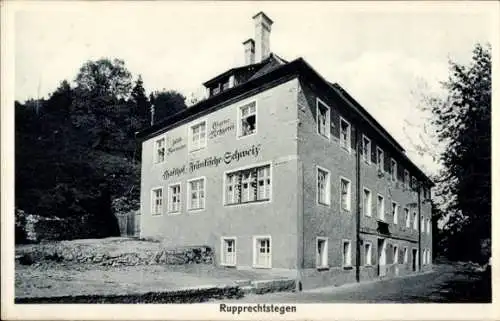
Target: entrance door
413 260
381 250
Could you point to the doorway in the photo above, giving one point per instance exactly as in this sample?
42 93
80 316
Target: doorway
382 258
414 260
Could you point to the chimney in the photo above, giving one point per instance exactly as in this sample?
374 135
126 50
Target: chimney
249 46
262 32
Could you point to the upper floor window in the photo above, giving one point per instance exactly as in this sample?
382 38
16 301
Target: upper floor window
323 121
415 221
395 210
323 186
367 202
248 185
394 170
407 217
159 150
428 226
380 207
345 194
380 159
407 179
196 193
414 183
157 201
198 137
247 119
345 133
367 149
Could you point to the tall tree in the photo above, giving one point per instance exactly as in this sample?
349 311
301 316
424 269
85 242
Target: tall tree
139 98
463 123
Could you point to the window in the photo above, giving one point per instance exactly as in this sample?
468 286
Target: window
345 134
198 137
367 202
405 255
380 207
414 183
395 254
394 170
157 201
228 256
196 194
428 226
407 179
262 252
323 186
422 225
407 217
367 149
415 221
174 198
322 252
160 150
395 209
248 185
345 194
323 114
380 159
368 253
346 253
248 119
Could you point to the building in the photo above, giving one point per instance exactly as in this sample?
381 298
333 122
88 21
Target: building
279 168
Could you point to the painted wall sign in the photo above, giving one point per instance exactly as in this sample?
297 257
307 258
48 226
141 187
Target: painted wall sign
174 145
213 161
220 128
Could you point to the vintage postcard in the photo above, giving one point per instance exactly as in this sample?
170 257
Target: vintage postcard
248 160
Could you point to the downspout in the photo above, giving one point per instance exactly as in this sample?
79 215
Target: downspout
419 229
358 203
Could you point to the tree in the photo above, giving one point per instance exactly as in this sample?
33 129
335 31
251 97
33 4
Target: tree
105 77
167 103
463 123
141 101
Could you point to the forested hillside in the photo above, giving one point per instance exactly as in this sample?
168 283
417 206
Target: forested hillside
76 149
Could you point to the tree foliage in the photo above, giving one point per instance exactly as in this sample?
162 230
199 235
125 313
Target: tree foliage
76 151
166 103
105 77
463 123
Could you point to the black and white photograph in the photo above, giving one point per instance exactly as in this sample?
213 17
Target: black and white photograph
250 160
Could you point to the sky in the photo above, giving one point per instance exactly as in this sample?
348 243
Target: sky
381 53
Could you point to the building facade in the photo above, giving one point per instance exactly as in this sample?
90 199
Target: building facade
279 168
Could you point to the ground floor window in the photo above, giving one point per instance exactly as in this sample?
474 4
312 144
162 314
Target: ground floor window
346 253
157 201
249 185
405 255
174 204
395 258
262 251
228 256
368 253
322 252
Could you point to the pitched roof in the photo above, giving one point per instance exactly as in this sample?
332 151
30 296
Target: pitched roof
255 70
